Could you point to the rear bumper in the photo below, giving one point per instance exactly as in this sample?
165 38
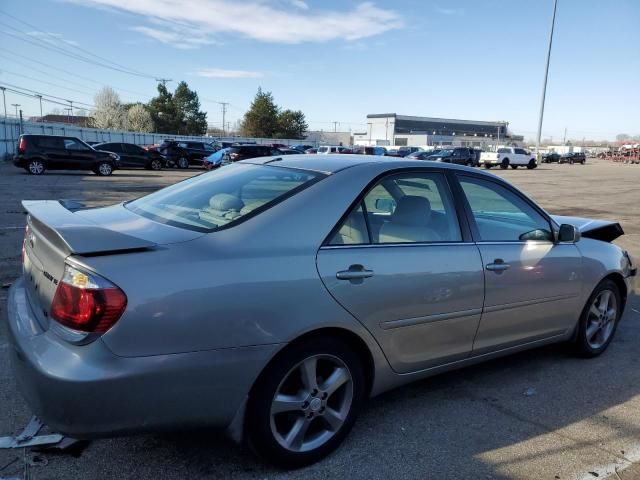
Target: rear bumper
87 391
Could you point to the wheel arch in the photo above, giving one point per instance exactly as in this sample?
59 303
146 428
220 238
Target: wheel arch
618 279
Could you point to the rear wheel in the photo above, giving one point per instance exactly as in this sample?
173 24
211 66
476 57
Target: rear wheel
469 163
35 167
514 166
305 402
487 166
505 164
599 320
104 169
183 162
532 164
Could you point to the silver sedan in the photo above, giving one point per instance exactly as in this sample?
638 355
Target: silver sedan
273 296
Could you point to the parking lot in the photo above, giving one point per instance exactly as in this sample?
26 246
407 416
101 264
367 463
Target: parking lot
541 414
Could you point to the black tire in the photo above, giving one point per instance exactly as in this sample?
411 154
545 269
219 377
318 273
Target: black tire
104 169
532 164
487 166
35 167
581 344
514 167
505 164
155 164
582 162
183 162
258 428
469 163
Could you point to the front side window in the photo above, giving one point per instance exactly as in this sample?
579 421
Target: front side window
501 215
227 196
404 208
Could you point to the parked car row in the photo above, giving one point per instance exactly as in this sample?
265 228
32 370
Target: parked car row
571 157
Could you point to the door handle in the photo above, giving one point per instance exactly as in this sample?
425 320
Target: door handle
355 272
498 265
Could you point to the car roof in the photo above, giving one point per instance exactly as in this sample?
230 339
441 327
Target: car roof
335 163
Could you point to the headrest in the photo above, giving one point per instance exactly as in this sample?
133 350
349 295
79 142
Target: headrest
412 210
224 202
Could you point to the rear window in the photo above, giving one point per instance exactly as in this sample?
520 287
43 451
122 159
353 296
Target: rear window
224 197
323 149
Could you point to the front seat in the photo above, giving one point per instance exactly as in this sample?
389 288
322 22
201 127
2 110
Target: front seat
409 222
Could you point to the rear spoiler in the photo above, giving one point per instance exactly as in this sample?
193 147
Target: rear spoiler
77 235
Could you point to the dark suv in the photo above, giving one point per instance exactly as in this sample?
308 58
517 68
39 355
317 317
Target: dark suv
183 153
457 155
37 153
133 156
241 152
573 157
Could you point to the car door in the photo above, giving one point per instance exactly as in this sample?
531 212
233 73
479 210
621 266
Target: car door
402 265
531 282
136 156
56 154
118 150
81 156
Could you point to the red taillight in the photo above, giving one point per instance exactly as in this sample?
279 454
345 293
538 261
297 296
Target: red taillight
22 145
86 303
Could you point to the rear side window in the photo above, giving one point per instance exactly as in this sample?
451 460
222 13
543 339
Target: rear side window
323 149
75 144
49 142
504 150
224 197
110 147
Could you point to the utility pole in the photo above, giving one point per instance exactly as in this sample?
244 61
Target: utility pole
4 101
564 140
4 124
21 129
335 126
40 98
163 81
71 106
16 105
224 114
546 76
68 115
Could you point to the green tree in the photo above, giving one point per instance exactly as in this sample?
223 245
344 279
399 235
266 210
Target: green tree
163 111
191 120
292 124
261 120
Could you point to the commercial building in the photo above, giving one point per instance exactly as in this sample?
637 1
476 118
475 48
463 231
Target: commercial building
391 129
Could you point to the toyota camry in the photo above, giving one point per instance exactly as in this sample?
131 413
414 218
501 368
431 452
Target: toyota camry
274 296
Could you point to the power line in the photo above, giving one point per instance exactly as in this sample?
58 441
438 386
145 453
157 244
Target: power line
58 50
84 92
35 92
73 74
78 47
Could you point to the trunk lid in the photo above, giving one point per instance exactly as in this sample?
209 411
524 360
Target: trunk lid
55 232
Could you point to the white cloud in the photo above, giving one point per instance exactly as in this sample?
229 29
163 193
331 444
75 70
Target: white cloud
301 4
52 38
262 20
174 37
449 11
222 73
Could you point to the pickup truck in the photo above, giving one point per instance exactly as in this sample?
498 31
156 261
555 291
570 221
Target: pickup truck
507 157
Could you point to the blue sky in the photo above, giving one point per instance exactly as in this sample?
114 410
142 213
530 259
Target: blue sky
339 60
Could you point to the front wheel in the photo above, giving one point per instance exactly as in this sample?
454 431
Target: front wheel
35 167
155 164
487 166
104 169
532 164
305 402
183 162
599 320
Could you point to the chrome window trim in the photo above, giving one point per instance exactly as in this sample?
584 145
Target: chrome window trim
385 245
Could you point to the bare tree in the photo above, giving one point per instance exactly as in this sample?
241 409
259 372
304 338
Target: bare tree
109 111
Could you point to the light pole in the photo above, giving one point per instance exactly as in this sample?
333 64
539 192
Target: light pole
546 76
40 98
4 102
16 105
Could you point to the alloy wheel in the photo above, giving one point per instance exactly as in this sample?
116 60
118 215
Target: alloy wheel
156 165
601 319
312 403
105 169
36 167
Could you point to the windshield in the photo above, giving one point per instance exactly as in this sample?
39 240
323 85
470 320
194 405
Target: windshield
443 153
224 197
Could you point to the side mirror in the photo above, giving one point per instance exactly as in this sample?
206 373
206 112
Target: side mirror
385 205
568 233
